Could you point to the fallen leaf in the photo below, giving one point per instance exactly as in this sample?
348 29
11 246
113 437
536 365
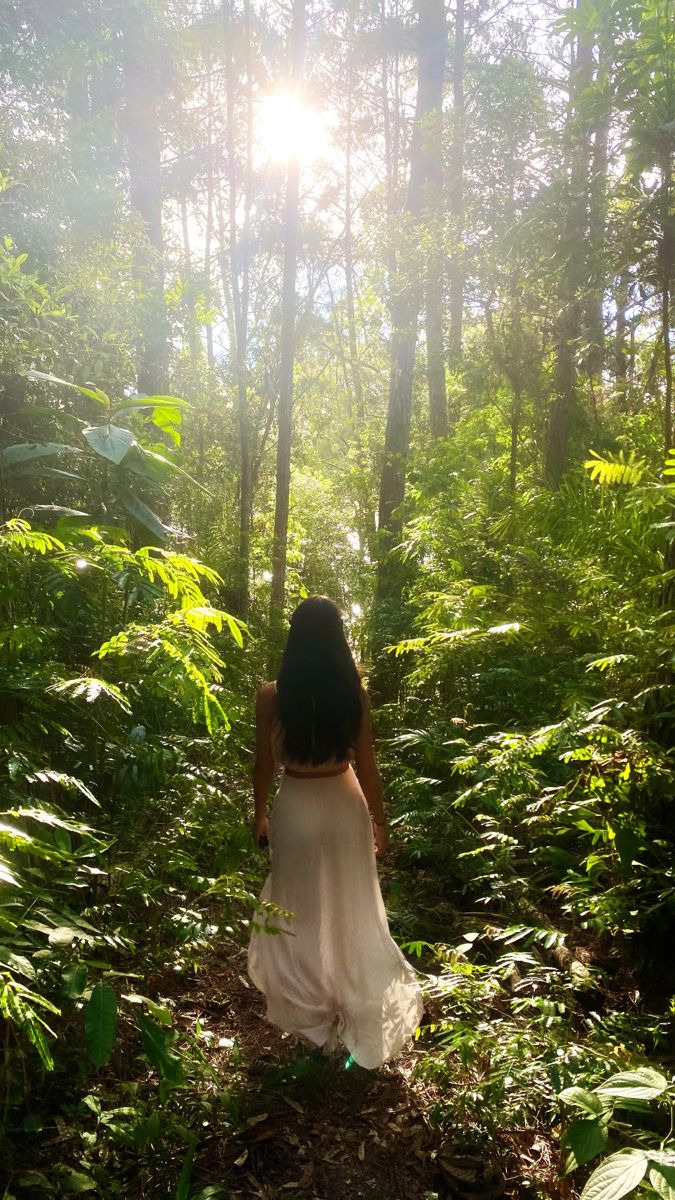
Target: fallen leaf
306 1177
239 1162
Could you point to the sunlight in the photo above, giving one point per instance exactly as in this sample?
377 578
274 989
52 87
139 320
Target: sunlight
288 129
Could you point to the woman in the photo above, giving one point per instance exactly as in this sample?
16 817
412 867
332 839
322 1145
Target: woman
333 971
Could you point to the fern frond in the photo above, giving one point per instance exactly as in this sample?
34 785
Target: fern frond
90 688
616 468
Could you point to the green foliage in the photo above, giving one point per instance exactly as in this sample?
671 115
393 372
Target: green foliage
100 1021
613 469
83 754
528 730
621 1173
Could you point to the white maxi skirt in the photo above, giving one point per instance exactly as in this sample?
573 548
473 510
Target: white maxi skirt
334 970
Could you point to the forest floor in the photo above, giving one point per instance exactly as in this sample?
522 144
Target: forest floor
312 1128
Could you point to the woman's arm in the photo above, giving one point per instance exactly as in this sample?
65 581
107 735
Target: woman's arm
263 767
369 777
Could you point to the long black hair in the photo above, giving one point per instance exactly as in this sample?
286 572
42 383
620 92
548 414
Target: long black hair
319 691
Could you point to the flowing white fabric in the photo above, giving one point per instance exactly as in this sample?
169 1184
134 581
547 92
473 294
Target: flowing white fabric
335 970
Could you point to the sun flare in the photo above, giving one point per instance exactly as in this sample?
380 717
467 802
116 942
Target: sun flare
289 129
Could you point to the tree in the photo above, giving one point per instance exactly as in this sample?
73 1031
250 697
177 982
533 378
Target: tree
407 288
457 185
142 76
574 228
240 250
433 215
287 340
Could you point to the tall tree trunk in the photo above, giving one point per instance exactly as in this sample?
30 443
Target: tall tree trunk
355 365
144 143
666 253
239 273
367 522
574 233
406 301
438 406
621 299
516 413
666 257
287 343
456 188
192 338
208 234
390 137
597 195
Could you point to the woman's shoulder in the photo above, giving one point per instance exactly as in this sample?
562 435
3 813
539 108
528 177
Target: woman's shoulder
266 699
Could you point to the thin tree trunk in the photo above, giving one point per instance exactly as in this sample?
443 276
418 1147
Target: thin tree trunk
287 344
396 121
208 236
239 260
666 261
666 254
620 350
187 256
573 235
390 169
406 303
597 235
355 365
516 412
367 528
456 188
438 407
144 142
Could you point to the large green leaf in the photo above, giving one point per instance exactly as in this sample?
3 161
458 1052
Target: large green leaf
643 1084
139 402
13 455
588 1102
76 1182
74 980
616 1176
93 393
140 512
39 471
160 1012
110 441
627 845
157 1045
662 1179
167 419
54 509
583 1140
144 459
163 418
183 1189
100 1023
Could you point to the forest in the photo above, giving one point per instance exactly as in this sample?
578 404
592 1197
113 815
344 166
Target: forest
371 301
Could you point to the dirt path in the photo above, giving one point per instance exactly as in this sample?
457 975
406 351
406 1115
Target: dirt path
309 1128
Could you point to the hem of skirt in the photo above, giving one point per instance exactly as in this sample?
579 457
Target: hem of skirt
339 1022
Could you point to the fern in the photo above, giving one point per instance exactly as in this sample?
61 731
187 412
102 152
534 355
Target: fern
91 689
19 1005
18 534
615 469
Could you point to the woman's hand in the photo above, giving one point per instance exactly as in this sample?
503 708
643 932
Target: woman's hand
261 829
381 833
